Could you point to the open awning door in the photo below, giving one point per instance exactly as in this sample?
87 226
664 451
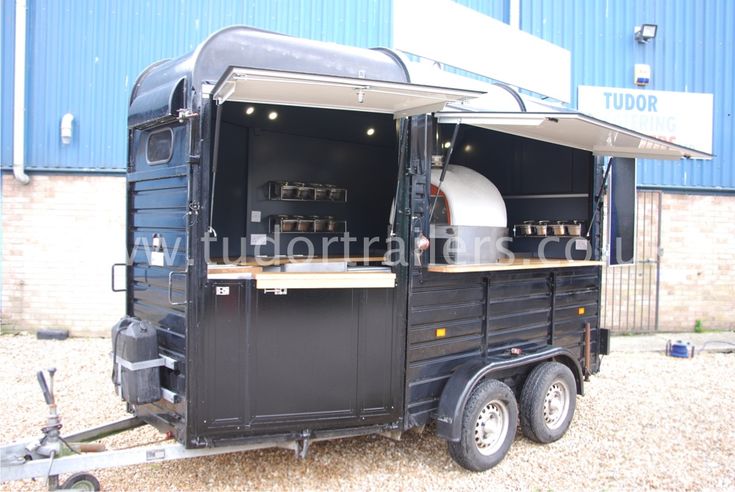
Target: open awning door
576 130
321 91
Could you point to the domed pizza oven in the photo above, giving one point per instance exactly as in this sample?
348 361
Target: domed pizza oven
469 219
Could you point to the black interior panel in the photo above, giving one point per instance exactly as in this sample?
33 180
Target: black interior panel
522 169
230 195
303 145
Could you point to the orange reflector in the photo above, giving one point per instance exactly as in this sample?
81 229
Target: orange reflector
580 311
441 332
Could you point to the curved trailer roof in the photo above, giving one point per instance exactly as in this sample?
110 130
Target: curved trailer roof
167 86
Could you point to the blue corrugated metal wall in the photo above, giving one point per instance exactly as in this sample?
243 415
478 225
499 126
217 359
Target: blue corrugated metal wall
693 51
83 57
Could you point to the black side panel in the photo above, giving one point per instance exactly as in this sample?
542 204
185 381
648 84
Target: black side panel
622 211
519 311
157 205
457 317
310 359
576 302
305 355
225 347
456 304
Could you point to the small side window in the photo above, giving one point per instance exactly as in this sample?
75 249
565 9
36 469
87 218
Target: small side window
159 146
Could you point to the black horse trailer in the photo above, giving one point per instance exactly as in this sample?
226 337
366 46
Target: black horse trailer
328 241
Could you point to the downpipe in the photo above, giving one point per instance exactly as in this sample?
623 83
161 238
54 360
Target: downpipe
19 94
20 174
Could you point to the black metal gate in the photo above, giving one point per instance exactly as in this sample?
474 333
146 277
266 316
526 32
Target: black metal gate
630 293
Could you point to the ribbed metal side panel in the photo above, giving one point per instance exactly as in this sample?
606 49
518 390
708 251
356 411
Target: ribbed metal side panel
158 198
84 57
692 52
455 303
576 290
519 311
492 313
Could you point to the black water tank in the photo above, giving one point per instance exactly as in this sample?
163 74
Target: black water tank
135 340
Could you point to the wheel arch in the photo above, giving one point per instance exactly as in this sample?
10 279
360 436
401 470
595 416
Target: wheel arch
464 379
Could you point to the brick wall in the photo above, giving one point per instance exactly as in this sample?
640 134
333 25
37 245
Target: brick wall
697 278
697 273
61 234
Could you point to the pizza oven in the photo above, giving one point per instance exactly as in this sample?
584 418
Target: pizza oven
469 220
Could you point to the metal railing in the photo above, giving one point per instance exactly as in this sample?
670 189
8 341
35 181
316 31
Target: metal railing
630 293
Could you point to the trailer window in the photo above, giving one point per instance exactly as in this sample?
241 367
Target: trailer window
159 146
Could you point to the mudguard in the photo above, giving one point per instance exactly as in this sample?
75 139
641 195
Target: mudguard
465 378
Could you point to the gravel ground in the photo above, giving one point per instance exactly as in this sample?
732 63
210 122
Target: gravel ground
647 421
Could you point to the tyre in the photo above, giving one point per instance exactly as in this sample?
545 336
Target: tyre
489 426
548 401
81 481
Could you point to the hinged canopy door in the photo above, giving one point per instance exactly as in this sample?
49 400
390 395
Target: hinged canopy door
576 130
321 91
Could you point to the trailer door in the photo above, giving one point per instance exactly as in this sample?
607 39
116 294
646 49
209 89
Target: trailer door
579 131
328 92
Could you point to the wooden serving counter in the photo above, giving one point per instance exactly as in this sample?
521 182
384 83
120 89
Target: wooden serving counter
516 264
253 268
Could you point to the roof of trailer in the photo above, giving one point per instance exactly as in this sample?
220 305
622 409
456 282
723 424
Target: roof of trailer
156 91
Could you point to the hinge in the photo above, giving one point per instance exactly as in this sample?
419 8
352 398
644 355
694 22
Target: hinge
186 114
413 166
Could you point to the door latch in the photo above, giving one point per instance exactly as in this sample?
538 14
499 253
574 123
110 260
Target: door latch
276 291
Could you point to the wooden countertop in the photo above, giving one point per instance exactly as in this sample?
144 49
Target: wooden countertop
305 280
516 264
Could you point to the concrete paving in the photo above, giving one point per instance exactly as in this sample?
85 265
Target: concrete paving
716 341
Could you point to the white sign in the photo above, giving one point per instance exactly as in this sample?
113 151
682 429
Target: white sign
449 33
683 118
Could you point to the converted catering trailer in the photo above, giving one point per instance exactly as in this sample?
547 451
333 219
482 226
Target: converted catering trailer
328 241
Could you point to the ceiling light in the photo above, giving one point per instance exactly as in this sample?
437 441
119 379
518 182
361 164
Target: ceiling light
370 132
645 32
272 115
447 145
249 110
468 148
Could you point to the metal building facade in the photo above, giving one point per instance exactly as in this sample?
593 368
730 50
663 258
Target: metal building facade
83 57
692 52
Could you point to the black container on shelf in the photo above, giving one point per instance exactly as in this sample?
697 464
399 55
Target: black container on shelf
305 192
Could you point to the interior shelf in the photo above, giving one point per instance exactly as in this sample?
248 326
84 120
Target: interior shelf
306 192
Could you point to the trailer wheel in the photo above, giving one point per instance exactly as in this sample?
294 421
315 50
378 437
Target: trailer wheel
488 427
82 481
548 400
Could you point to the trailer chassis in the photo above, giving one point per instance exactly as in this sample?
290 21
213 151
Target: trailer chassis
53 455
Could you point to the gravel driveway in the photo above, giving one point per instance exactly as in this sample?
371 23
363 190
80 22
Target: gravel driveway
646 421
